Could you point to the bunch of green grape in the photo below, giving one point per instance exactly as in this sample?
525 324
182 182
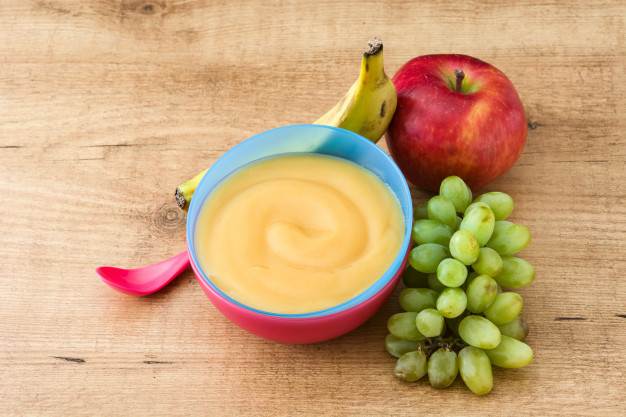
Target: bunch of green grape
457 318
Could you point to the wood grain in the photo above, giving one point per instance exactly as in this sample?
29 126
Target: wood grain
106 106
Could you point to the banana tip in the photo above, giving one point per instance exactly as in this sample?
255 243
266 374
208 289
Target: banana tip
180 199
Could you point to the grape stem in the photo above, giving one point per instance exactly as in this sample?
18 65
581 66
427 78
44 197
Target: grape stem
448 341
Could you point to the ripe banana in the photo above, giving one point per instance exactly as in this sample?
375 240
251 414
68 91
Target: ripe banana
368 106
366 109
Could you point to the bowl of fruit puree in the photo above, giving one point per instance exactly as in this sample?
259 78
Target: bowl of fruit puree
300 234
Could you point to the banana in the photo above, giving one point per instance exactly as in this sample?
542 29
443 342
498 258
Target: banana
369 105
185 190
366 109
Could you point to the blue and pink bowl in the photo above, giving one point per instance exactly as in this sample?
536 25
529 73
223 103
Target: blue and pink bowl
332 322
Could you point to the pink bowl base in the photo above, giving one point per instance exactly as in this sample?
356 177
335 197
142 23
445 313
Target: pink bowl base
302 330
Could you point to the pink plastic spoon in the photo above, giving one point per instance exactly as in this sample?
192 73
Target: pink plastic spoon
146 280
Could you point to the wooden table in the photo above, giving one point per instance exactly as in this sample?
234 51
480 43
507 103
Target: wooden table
106 106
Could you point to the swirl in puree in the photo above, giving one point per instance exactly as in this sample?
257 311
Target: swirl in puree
298 233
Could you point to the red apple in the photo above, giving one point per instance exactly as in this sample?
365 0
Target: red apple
471 124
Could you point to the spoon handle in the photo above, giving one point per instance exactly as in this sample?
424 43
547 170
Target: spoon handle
176 265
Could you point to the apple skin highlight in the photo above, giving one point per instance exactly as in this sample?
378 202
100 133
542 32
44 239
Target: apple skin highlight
477 134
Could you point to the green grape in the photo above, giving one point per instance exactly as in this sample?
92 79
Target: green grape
480 221
475 369
479 332
489 262
480 293
398 347
458 223
442 368
442 210
402 325
464 247
431 231
430 322
504 308
508 238
451 302
411 366
517 328
421 211
426 257
451 272
412 278
453 323
500 203
516 272
470 278
435 284
473 206
418 299
510 353
499 289
455 190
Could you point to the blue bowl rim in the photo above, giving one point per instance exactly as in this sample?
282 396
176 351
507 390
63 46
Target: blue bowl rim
368 293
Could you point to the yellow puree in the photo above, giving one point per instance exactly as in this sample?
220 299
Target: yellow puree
298 233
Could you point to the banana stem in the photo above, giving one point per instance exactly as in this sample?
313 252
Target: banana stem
374 46
185 191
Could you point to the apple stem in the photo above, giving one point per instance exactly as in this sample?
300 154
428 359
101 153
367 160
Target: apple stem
459 74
